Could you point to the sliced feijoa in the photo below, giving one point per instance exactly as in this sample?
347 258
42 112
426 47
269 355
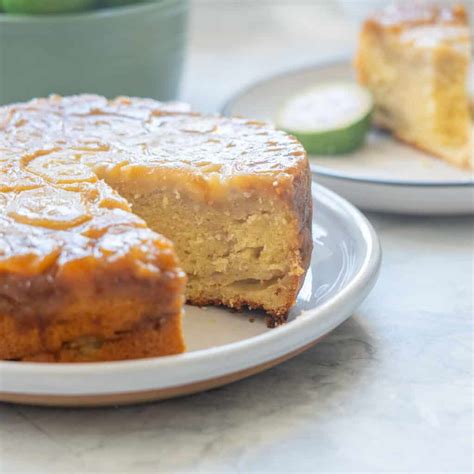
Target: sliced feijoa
328 119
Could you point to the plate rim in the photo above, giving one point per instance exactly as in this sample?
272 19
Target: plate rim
355 291
226 110
148 395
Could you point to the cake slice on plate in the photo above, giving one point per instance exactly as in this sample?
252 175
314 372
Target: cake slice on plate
90 192
415 59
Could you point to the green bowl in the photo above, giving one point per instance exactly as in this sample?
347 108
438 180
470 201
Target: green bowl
135 50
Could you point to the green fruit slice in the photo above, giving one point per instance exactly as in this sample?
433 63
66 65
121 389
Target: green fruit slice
329 119
39 7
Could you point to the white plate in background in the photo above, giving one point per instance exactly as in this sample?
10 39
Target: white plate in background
384 175
223 346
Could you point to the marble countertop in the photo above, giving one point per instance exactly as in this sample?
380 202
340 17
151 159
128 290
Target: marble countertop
389 390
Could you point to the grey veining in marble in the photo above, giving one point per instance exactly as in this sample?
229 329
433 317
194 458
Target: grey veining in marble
389 390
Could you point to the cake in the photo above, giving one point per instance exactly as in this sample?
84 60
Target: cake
415 60
106 206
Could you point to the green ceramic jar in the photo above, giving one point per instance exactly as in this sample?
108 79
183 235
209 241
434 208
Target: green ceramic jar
135 50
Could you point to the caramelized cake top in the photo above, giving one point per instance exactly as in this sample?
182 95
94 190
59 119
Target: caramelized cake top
128 132
59 155
411 14
425 26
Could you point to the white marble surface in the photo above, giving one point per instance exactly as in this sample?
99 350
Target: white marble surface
389 390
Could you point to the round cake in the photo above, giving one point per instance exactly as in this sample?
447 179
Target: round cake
112 213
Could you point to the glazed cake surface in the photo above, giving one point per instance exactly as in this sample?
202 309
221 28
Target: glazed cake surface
88 189
415 59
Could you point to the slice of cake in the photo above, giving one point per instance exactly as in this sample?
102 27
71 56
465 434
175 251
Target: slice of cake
81 278
415 59
87 189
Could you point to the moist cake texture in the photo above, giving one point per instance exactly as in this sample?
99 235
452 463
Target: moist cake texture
415 60
105 205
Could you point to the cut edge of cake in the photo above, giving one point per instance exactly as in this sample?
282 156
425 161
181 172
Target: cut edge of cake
248 250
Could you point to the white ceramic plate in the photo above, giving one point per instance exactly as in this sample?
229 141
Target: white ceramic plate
384 175
223 346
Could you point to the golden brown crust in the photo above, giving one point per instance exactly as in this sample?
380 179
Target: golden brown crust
402 15
303 203
159 339
44 314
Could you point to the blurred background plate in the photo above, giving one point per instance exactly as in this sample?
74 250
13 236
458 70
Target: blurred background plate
384 175
135 50
224 346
